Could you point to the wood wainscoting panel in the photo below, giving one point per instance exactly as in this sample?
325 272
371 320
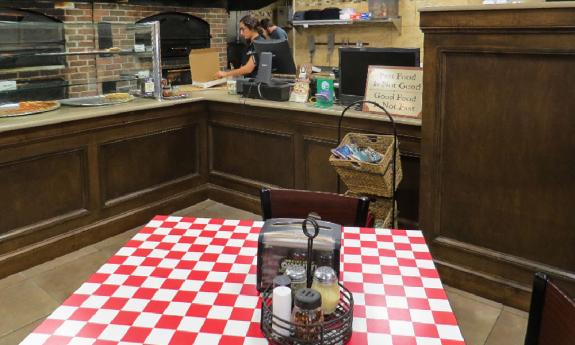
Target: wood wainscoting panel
135 164
23 184
506 190
319 174
408 192
251 157
308 138
497 174
132 166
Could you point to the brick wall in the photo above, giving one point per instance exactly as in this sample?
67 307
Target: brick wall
121 13
80 35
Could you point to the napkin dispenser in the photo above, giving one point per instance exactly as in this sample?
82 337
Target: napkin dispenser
282 243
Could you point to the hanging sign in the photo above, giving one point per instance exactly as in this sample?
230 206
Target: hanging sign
398 89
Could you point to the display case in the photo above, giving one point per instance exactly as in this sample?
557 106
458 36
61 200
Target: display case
77 64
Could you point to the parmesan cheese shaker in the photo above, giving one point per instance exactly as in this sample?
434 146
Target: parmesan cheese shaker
325 282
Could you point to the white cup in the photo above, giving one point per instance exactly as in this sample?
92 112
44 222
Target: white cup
231 84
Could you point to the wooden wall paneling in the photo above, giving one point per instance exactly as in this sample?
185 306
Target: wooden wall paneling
408 193
141 163
316 139
248 150
133 166
242 154
247 201
54 152
244 192
44 186
151 159
81 234
313 137
518 171
299 167
319 174
42 190
496 191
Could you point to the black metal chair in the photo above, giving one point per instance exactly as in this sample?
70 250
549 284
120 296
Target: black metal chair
551 315
335 208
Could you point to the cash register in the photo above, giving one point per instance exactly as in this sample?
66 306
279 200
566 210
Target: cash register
274 58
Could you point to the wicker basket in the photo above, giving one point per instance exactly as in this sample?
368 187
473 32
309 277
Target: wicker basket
369 178
380 207
385 222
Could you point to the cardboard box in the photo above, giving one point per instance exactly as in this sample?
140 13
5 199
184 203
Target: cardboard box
204 64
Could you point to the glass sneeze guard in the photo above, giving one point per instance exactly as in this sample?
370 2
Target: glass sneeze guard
45 61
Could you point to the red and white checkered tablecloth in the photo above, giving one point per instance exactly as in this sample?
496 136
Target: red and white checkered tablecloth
193 281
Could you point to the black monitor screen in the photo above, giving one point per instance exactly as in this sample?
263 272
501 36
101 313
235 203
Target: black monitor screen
282 61
354 63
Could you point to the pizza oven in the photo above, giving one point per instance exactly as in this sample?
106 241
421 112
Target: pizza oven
179 34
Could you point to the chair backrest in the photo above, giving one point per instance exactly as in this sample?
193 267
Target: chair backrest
335 208
551 315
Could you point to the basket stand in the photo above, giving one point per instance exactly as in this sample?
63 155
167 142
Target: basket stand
395 146
335 331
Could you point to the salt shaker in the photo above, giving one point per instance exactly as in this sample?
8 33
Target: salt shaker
281 308
281 280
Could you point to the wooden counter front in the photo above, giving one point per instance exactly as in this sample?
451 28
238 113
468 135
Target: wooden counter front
497 170
75 176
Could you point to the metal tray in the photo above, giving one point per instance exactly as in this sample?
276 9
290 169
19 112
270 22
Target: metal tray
15 112
168 98
94 101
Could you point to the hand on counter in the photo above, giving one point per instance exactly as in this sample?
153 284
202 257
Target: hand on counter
221 74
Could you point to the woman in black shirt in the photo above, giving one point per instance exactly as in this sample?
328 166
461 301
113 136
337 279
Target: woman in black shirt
250 31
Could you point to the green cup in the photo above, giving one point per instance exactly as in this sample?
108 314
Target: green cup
325 93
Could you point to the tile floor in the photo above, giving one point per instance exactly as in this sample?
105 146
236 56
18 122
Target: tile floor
26 298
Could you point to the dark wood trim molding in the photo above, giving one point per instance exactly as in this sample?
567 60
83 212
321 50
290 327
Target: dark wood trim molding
142 192
500 20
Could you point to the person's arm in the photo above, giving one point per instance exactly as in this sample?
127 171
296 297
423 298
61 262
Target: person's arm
245 69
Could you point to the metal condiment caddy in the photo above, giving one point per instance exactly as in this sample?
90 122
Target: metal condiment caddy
335 328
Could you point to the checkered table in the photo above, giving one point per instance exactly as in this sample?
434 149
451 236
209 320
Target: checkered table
193 281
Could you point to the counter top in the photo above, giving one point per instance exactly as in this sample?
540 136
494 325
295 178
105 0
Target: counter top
68 114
